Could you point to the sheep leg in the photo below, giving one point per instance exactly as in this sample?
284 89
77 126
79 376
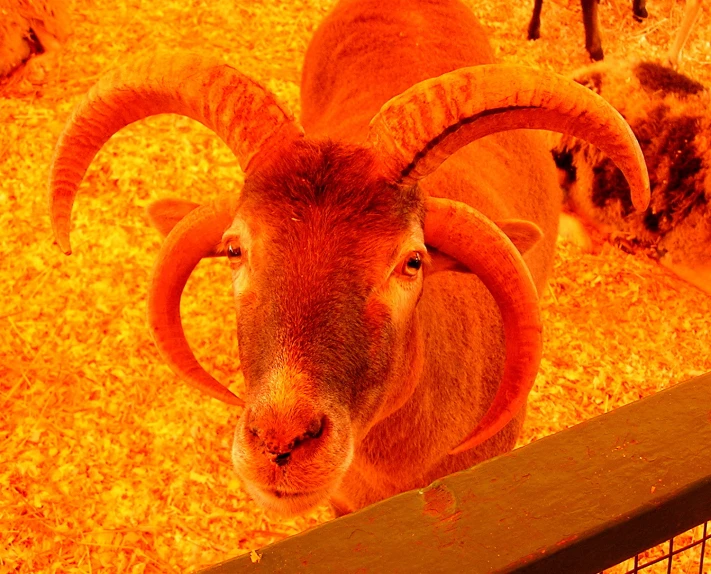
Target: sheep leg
691 14
534 26
639 9
593 43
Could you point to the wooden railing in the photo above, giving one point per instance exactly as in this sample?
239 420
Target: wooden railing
577 502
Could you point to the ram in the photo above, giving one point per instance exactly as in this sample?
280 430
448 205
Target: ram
388 326
669 113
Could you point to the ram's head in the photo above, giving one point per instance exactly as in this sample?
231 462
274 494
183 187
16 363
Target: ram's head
330 244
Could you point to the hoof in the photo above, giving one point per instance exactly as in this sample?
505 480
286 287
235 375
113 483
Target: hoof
596 54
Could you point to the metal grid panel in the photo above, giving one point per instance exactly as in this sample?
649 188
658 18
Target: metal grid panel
687 553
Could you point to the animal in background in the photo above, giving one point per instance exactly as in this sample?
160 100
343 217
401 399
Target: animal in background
31 32
388 324
671 116
593 42
591 22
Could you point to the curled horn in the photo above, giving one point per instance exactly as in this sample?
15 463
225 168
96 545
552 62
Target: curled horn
416 131
474 240
419 129
242 113
197 235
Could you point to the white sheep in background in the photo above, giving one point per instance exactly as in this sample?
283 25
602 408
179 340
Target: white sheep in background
671 116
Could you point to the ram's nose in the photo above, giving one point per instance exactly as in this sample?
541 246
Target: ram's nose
279 435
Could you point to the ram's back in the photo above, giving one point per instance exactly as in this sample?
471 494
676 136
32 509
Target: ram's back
366 52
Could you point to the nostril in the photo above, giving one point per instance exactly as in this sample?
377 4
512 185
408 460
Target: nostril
282 459
278 443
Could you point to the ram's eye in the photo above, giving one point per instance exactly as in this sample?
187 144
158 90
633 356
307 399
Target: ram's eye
411 264
234 253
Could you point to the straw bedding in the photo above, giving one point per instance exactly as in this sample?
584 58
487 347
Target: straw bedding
107 463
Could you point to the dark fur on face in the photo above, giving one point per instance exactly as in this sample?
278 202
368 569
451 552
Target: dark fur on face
331 221
319 347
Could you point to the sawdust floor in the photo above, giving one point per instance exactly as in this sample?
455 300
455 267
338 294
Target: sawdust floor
107 462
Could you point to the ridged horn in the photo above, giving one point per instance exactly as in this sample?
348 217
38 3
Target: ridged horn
475 241
241 112
416 131
197 235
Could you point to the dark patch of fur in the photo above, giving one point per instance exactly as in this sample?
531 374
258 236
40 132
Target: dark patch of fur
333 177
609 185
662 80
651 221
675 171
36 46
564 161
331 220
678 191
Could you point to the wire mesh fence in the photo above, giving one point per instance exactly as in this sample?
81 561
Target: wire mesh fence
686 553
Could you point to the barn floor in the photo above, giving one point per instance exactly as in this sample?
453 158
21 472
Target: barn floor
108 464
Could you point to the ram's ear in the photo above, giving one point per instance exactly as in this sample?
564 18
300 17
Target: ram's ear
523 234
165 214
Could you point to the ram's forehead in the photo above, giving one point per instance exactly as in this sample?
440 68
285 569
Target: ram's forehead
324 184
